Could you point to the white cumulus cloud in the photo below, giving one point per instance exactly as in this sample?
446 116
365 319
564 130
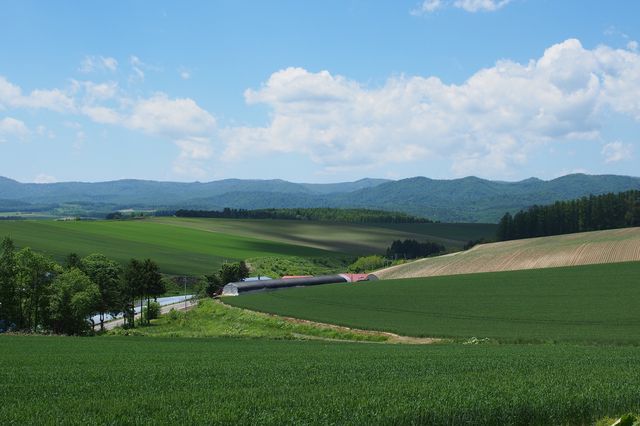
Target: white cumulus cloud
173 117
480 5
11 96
13 129
487 125
617 151
472 6
98 63
427 6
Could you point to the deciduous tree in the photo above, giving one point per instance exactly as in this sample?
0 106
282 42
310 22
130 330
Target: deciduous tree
105 273
73 300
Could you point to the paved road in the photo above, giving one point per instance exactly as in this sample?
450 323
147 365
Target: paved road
180 306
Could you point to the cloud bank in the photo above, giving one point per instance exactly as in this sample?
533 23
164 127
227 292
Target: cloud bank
488 125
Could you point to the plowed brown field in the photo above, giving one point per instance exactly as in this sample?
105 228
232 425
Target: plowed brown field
617 245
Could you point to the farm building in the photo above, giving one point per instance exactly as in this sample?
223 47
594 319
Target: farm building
234 289
258 278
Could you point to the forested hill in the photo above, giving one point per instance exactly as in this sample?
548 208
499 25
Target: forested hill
468 199
593 213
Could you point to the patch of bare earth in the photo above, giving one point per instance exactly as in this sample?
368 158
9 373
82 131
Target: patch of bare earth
585 248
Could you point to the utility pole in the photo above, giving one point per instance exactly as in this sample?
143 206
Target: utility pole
184 281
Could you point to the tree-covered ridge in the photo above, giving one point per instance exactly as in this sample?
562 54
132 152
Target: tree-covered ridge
317 214
468 199
593 213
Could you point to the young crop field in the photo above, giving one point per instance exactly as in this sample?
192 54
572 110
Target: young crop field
593 303
351 238
134 380
197 246
618 245
178 250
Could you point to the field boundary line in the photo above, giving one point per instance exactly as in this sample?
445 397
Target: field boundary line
392 338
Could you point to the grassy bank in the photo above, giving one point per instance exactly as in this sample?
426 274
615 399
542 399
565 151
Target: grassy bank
214 319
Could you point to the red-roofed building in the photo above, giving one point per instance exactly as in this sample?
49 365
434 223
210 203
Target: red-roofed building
354 278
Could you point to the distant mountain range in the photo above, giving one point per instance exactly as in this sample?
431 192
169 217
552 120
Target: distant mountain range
469 199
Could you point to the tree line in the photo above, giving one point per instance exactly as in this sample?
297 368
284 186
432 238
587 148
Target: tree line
39 295
316 214
412 249
228 273
592 213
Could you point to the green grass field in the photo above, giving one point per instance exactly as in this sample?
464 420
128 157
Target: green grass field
197 246
595 303
132 380
178 250
350 238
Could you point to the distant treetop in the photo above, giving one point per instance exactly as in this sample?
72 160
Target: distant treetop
317 214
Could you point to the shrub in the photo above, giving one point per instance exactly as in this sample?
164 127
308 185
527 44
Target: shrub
174 315
367 264
151 311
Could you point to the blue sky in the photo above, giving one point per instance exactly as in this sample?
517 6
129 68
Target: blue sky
318 91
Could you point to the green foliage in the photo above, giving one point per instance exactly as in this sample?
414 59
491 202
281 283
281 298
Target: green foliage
34 274
233 272
74 298
105 273
368 264
228 273
275 267
627 420
151 311
593 213
276 382
173 315
594 303
72 260
175 285
9 297
315 214
213 285
472 243
141 280
153 284
411 249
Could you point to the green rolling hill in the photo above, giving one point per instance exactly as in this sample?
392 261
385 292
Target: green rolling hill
198 246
